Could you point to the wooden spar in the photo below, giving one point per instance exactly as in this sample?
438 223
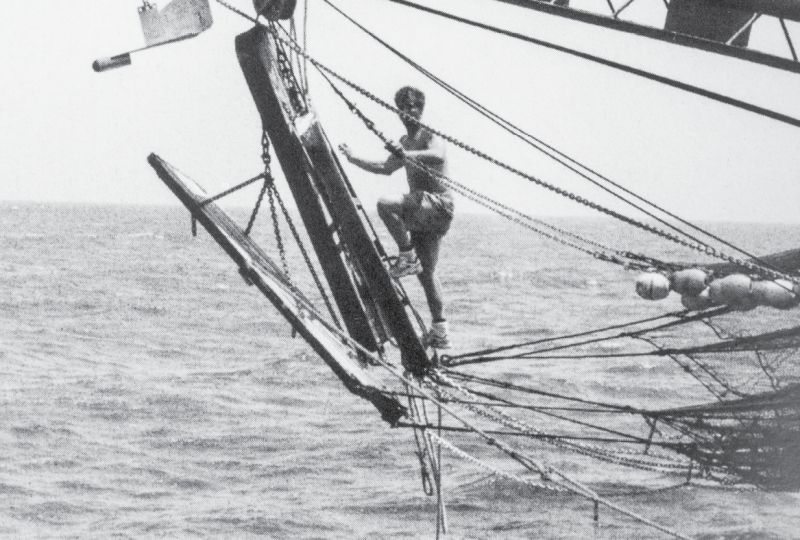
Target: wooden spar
368 299
259 270
258 65
367 253
778 8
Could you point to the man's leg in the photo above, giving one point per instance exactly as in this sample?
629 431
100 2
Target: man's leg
391 213
427 246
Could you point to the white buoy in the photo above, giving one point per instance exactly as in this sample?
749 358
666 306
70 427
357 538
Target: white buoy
697 302
652 286
732 290
691 281
777 294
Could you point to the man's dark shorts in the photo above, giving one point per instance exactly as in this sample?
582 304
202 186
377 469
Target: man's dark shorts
426 212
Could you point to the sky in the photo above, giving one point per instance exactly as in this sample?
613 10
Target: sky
72 135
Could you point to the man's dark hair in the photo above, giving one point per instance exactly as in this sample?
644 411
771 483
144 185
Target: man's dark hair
409 94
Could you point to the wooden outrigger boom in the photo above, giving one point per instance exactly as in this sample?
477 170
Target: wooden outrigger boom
257 268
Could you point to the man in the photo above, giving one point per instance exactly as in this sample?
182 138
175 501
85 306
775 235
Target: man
419 219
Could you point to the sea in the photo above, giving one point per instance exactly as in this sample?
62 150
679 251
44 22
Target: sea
146 391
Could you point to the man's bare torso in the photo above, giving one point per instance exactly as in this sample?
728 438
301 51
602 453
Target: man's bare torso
419 179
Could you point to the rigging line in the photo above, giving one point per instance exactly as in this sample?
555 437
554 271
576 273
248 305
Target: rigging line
565 479
529 390
493 205
600 453
707 369
566 336
484 358
724 347
479 198
525 220
440 441
661 352
472 194
489 396
702 247
592 410
530 139
230 190
457 429
616 65
503 210
636 334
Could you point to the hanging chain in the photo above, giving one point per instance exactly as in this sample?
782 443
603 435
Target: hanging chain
275 196
307 258
286 70
267 181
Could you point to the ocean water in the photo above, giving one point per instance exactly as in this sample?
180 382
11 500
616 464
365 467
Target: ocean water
146 391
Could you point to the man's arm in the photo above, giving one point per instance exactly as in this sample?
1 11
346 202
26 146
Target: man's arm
388 166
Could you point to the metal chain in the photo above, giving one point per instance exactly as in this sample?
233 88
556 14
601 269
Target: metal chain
307 258
485 466
501 209
286 70
274 194
267 182
666 464
700 247
277 231
269 186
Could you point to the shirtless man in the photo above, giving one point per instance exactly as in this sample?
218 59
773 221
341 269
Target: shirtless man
419 219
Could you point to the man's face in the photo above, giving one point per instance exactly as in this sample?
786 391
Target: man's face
412 107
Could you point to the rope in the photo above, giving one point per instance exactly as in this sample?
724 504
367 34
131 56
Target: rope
501 209
580 489
768 113
482 357
461 454
422 450
596 452
574 486
528 390
528 462
532 141
228 191
700 247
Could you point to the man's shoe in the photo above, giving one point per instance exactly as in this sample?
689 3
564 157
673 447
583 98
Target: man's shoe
404 266
437 337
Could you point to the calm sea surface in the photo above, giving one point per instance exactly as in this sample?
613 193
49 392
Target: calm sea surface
146 391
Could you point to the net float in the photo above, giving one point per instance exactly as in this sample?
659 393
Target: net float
691 281
652 286
778 294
